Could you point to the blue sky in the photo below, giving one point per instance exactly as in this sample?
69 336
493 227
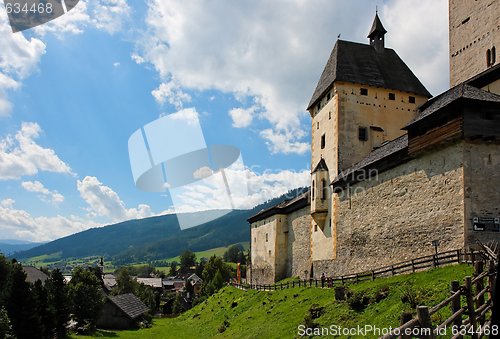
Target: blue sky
73 91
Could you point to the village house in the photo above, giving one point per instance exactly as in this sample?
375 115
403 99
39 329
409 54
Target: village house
393 171
122 312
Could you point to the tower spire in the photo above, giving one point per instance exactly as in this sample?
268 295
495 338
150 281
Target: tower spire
377 33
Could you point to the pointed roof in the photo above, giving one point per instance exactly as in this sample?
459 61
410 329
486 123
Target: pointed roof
132 306
321 166
362 64
377 27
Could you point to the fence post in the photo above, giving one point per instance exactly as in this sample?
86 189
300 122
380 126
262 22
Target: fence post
425 322
478 268
458 256
455 304
470 306
405 317
373 275
413 265
491 279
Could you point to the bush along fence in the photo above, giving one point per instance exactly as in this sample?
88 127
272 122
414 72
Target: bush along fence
470 305
413 265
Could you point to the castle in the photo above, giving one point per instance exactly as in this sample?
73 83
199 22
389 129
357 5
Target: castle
393 170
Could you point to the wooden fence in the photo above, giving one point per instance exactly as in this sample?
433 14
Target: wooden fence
414 265
470 314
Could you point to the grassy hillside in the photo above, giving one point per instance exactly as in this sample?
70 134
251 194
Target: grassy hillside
232 313
152 238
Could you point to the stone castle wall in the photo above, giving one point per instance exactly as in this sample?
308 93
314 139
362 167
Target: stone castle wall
397 216
474 29
299 244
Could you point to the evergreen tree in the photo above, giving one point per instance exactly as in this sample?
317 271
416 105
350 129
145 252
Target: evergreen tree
5 325
173 269
59 301
25 321
215 274
86 297
188 260
43 309
124 282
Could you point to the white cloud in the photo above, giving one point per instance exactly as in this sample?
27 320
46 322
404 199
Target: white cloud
20 224
272 52
21 156
45 194
202 173
105 15
242 117
284 141
190 115
18 58
116 64
104 202
171 91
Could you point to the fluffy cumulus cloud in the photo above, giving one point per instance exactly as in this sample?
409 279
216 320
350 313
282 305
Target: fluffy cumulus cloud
20 155
44 193
242 117
274 51
171 91
105 15
20 224
19 56
102 201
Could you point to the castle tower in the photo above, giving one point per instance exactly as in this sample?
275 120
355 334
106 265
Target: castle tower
364 96
474 30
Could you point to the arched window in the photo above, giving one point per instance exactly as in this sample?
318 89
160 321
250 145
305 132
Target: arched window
488 58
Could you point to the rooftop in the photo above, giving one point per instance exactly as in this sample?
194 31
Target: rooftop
132 306
362 64
33 274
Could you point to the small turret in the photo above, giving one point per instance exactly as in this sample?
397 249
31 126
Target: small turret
377 34
320 193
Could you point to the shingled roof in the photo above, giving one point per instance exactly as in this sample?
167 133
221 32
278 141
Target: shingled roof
391 148
284 207
132 306
362 64
462 91
33 274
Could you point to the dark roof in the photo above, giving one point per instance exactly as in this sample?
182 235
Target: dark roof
360 63
486 77
381 153
132 306
377 27
462 91
33 274
321 166
284 207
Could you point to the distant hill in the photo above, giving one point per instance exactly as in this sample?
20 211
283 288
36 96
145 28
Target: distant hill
8 246
153 238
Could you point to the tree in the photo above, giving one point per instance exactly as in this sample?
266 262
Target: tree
5 325
177 307
86 297
215 274
188 260
173 269
43 309
124 283
232 254
25 322
59 300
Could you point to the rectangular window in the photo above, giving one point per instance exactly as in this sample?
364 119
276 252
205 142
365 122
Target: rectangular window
363 91
317 125
329 115
328 97
363 134
267 237
315 228
323 141
392 96
318 107
411 99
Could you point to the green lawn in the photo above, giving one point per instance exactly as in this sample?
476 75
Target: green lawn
232 313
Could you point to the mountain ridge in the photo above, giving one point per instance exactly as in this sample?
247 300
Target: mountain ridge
154 238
